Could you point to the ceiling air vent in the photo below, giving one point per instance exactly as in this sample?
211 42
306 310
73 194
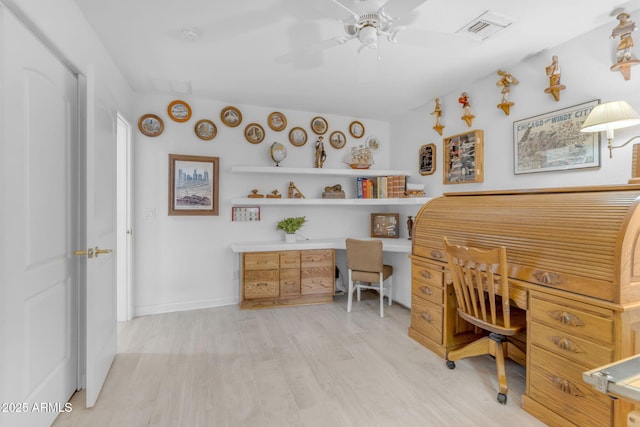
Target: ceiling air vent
485 25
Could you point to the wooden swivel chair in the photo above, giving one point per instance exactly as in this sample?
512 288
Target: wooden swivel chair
482 293
364 262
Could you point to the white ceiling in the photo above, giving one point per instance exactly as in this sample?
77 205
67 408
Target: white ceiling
281 53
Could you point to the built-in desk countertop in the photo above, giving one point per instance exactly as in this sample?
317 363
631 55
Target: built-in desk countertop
388 245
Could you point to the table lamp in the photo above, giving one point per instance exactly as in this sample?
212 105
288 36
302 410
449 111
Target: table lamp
610 116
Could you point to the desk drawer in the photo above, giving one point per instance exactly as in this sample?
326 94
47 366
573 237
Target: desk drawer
572 317
579 350
557 384
429 292
261 261
317 258
261 284
315 281
289 282
289 259
426 318
426 273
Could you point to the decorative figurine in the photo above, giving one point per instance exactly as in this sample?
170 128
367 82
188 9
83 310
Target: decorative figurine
410 227
275 194
506 80
553 72
623 55
293 192
321 155
438 113
466 108
333 192
255 195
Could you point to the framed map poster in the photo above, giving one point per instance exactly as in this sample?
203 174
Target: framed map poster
553 141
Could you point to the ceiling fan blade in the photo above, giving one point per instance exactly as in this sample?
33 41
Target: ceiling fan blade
306 51
398 9
354 15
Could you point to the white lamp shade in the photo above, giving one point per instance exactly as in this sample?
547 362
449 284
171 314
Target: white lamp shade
610 116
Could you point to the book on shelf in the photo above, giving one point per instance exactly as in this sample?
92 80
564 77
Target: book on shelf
382 187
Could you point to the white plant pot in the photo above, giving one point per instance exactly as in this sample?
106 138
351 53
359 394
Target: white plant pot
290 238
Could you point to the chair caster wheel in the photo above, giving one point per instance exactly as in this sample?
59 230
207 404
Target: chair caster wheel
502 398
451 364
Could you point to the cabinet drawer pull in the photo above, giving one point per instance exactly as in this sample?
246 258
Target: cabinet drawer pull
426 316
566 386
425 274
262 284
437 254
289 262
565 318
262 261
548 278
289 282
566 344
426 290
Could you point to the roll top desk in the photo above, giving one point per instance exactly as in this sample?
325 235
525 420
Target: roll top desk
574 265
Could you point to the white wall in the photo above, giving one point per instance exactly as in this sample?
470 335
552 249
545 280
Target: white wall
185 262
585 63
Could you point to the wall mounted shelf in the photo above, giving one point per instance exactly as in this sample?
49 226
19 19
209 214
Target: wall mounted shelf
279 170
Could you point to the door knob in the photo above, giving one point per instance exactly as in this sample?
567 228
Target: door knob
87 252
99 251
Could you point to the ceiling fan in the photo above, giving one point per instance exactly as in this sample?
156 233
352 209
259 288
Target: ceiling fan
369 20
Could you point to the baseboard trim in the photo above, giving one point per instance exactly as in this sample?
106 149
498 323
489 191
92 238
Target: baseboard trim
146 310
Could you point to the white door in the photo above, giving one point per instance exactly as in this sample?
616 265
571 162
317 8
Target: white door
38 223
100 179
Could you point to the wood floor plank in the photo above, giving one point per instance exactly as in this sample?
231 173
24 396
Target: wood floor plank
313 365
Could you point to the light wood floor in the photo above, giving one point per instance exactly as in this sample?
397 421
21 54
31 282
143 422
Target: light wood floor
296 366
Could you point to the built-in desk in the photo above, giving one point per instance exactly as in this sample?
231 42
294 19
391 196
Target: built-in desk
574 256
280 273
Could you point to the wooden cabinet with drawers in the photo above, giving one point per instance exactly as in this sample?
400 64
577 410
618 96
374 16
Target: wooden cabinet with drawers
278 278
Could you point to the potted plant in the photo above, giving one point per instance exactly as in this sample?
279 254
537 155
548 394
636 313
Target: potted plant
290 226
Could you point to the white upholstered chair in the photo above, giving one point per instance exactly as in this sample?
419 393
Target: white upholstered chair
367 270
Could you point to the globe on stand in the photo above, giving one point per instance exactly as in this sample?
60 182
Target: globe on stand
278 152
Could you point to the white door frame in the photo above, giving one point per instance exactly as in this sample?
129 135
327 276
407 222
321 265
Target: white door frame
124 227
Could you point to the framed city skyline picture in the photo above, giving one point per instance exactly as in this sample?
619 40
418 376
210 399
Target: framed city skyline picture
193 185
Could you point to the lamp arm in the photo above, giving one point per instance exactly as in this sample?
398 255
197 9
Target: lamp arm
611 146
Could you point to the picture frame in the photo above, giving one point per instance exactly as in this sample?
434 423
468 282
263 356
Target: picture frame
245 213
463 158
231 116
277 121
385 225
298 136
193 185
356 129
337 139
319 125
553 141
427 159
205 129
179 111
150 125
254 133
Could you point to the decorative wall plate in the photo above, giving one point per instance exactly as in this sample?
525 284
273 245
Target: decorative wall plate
298 136
356 129
179 111
277 121
337 139
254 133
319 125
205 129
373 143
150 125
231 116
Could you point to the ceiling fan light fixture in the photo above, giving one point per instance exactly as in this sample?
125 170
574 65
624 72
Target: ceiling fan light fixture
368 35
